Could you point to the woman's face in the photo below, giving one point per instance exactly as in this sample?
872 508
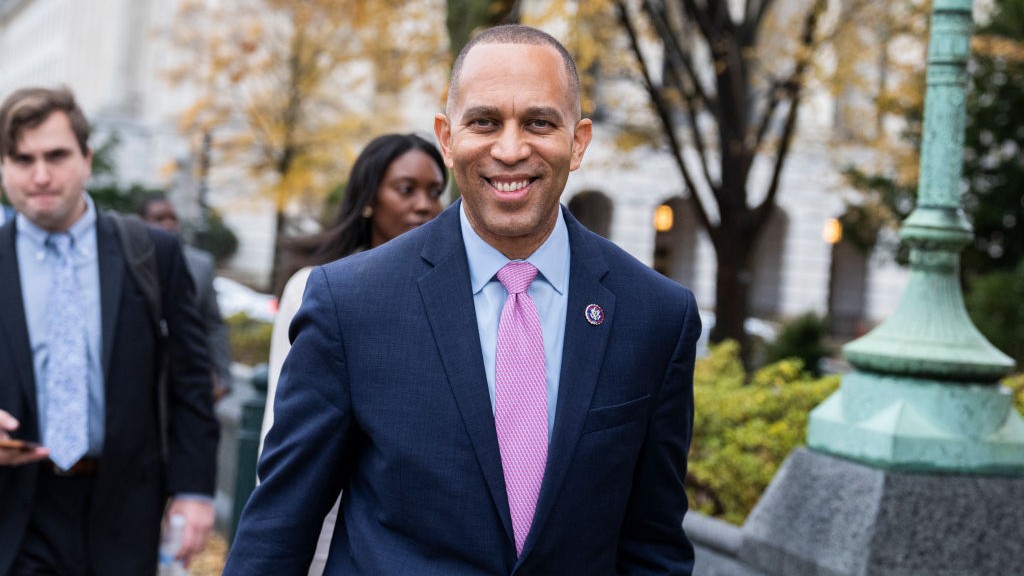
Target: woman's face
409 195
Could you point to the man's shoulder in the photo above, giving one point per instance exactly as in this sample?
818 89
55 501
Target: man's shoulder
624 271
396 257
387 262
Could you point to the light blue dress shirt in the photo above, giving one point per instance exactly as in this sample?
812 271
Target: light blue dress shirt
37 266
549 291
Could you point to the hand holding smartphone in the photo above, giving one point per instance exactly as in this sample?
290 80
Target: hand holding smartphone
20 445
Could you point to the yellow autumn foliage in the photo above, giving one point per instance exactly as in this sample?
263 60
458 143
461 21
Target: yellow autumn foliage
290 91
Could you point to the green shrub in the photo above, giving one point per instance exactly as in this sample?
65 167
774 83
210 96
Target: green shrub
743 431
1015 383
250 339
996 303
218 239
802 337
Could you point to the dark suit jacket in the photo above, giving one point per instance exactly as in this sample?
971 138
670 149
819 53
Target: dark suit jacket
203 269
384 396
133 481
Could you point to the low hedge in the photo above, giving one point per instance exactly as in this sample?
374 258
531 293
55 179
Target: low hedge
745 427
250 339
1016 385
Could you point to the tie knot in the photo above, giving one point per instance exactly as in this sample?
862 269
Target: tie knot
517 276
60 242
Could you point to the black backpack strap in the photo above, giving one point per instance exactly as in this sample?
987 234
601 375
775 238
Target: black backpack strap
140 259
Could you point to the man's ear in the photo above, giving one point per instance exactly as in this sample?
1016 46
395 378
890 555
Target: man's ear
581 136
443 132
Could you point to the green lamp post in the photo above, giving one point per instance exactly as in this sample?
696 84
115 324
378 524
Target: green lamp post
924 394
915 466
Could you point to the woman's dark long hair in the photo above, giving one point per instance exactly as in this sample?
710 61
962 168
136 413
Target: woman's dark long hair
350 230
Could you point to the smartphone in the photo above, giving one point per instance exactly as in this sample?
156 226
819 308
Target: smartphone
22 445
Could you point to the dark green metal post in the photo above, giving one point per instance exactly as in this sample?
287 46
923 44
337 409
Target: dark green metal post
249 444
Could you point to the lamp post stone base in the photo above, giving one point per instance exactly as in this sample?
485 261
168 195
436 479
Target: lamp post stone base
920 425
825 516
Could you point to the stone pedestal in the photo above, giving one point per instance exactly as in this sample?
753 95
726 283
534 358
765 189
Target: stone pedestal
825 516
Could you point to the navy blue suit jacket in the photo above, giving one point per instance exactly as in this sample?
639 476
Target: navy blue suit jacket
383 395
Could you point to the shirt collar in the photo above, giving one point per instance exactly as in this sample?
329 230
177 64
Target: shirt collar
551 258
79 230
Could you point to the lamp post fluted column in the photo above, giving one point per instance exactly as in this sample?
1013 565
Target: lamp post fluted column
924 393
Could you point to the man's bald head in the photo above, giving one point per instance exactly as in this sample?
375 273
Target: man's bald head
516 34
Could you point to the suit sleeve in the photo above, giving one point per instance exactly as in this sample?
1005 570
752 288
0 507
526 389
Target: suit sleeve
652 540
306 455
192 428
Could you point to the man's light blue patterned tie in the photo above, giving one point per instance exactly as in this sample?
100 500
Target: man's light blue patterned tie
67 423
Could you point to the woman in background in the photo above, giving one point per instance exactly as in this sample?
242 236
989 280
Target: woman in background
395 185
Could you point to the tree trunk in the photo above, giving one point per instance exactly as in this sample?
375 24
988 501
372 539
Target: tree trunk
464 17
733 249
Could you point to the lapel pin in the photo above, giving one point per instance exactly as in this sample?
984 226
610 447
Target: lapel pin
594 314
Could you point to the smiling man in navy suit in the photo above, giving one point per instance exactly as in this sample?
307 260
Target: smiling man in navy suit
397 387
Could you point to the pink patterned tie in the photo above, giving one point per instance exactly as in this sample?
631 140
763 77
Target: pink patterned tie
521 406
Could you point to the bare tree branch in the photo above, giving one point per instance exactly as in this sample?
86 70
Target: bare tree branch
663 112
755 14
701 17
676 51
699 142
795 87
693 100
774 99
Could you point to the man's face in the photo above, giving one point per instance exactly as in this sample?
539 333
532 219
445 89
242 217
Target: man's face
160 213
46 175
511 140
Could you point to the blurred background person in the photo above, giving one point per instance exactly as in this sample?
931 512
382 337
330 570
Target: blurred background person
395 185
158 211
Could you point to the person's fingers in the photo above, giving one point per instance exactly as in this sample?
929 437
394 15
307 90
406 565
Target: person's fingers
193 542
199 517
18 457
7 423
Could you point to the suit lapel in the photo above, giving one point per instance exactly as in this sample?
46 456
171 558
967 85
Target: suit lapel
111 266
13 328
582 352
448 300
